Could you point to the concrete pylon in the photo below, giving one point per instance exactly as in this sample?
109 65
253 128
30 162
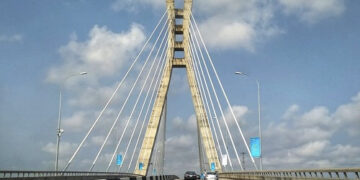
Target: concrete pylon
177 62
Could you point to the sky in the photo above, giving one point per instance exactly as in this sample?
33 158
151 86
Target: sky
305 54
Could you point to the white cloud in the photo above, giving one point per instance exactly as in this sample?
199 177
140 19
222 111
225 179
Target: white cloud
102 55
105 54
76 122
341 150
49 148
66 148
190 124
95 95
307 138
187 125
314 10
242 24
103 160
229 24
234 24
181 151
356 98
291 111
239 111
350 114
313 148
228 35
98 140
183 141
11 38
315 117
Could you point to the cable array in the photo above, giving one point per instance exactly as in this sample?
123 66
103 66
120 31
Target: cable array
196 47
147 84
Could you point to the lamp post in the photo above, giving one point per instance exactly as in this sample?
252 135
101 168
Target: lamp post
259 114
59 131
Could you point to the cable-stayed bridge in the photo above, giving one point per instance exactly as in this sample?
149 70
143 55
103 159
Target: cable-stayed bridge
138 151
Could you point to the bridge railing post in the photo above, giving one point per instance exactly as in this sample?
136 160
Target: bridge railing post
337 174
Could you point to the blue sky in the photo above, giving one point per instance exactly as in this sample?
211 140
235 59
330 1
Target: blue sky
304 53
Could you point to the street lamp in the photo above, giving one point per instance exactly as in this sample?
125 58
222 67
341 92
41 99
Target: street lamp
259 114
59 131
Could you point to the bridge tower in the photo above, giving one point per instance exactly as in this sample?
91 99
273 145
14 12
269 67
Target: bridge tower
158 108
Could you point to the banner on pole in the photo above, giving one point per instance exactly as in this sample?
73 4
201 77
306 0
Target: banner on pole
255 147
224 159
212 166
119 159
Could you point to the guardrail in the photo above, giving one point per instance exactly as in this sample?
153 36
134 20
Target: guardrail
23 174
79 175
339 173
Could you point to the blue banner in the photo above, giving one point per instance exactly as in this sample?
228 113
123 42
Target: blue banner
212 166
141 166
255 147
119 159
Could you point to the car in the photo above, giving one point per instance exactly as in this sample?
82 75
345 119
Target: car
211 175
190 175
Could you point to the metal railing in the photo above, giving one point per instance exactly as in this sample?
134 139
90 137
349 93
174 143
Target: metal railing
338 173
74 175
22 174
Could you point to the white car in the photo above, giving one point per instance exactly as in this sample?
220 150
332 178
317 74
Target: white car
211 175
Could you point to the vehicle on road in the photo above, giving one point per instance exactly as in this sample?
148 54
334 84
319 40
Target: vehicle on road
190 175
211 175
